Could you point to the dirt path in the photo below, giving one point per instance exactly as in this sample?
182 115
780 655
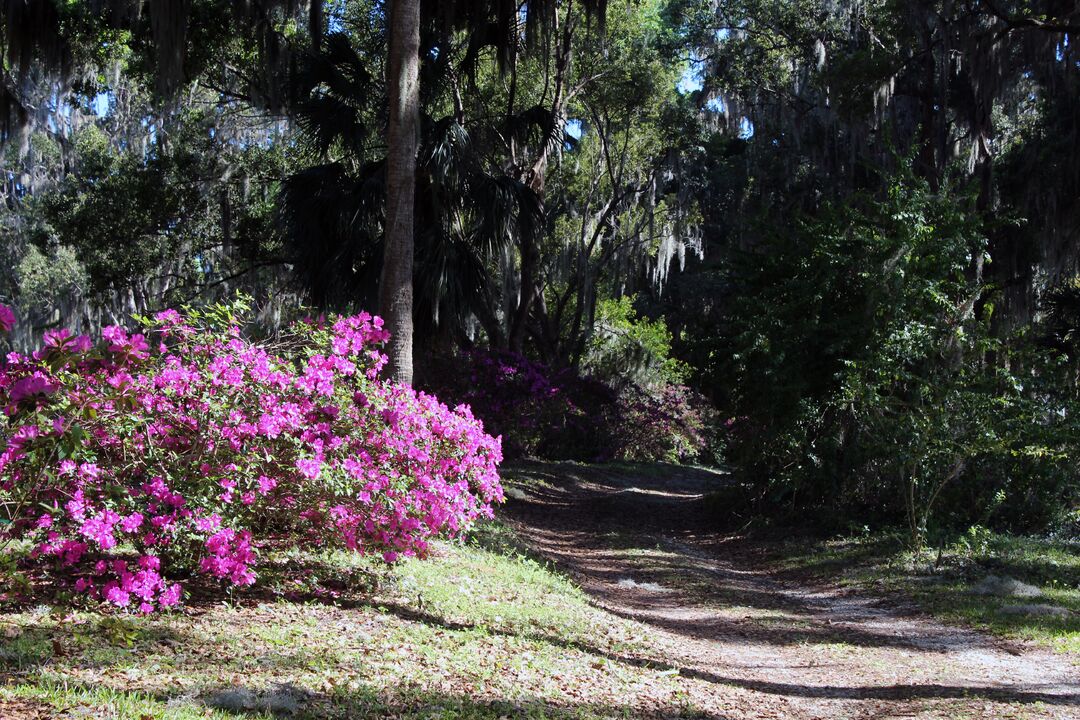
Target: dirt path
752 646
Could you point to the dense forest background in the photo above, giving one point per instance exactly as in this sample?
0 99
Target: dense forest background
832 243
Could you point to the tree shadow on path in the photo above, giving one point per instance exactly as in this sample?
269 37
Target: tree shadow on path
642 544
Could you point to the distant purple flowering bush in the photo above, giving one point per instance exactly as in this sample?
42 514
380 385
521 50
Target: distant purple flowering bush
672 423
182 448
556 414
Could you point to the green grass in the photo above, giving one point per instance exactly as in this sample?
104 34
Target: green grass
480 631
941 580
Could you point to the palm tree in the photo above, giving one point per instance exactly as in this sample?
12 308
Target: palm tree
395 283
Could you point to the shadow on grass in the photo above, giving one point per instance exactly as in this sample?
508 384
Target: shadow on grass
358 701
369 701
1029 694
1034 561
106 639
365 700
829 563
1027 617
942 581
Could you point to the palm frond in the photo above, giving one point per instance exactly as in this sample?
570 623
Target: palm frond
334 90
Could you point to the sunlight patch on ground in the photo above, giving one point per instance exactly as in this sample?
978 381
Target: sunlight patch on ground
666 493
631 584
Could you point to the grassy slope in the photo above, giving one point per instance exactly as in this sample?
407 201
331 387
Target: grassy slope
481 631
941 581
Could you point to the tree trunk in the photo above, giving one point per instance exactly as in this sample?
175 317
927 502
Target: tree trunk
395 284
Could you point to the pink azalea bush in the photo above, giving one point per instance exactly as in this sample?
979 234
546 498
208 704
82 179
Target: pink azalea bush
181 449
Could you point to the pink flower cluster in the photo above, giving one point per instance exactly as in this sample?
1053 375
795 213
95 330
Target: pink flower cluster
190 442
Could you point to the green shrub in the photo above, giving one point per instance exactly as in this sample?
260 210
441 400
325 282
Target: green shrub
870 384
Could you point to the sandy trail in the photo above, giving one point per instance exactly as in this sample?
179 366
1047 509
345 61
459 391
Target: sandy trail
754 647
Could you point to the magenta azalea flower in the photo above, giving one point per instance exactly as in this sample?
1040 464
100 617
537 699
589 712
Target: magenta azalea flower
32 387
